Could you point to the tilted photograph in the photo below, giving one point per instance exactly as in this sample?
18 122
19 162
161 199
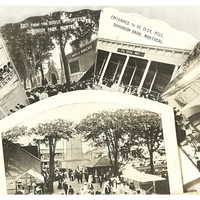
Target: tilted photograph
92 148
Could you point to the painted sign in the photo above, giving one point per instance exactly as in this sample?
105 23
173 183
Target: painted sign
134 28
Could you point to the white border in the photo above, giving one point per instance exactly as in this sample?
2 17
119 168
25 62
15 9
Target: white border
94 96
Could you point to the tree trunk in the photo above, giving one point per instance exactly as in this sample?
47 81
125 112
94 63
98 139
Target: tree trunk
25 83
151 162
62 50
26 65
51 165
31 81
42 74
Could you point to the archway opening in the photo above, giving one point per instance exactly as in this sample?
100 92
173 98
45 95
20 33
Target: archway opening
53 79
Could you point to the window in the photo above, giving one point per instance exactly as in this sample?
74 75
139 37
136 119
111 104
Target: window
74 67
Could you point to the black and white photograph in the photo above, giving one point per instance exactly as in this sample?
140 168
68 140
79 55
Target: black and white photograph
138 55
110 147
12 94
52 53
183 94
99 99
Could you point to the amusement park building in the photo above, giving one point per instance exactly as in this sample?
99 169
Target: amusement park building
127 66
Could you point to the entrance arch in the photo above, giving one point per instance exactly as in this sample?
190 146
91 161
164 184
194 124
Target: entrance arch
53 79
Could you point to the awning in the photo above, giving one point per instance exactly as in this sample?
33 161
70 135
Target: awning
31 173
135 175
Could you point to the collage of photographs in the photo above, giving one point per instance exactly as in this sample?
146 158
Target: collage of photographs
98 102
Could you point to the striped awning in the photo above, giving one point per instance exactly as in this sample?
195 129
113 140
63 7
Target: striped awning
31 173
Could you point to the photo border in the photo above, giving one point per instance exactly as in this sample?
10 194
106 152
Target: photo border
94 96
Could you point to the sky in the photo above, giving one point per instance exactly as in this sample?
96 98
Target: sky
184 17
73 113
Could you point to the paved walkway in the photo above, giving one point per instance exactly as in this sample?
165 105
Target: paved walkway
75 185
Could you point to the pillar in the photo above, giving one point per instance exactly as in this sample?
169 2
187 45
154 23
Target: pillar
105 67
123 70
144 76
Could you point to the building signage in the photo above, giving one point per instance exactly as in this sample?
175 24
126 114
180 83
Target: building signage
131 52
83 50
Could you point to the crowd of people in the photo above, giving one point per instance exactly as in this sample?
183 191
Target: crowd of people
43 92
5 70
87 183
17 107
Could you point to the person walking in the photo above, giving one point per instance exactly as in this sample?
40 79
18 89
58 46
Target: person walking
65 187
71 190
107 189
100 181
81 176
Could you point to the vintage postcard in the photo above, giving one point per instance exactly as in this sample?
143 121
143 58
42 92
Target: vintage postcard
91 142
137 55
183 94
12 94
142 58
51 53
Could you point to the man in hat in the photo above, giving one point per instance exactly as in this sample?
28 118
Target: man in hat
65 187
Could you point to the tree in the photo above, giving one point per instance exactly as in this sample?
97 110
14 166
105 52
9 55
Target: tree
9 138
41 47
148 125
77 31
110 129
49 133
28 50
125 133
15 41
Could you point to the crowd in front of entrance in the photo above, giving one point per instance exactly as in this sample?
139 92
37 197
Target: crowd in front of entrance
43 92
82 183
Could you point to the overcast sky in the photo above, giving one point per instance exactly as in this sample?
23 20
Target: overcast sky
182 17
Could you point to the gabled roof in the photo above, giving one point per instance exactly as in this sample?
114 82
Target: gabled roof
20 161
99 162
31 173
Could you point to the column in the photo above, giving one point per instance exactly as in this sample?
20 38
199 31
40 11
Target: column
174 72
132 76
153 80
144 76
123 70
105 67
116 71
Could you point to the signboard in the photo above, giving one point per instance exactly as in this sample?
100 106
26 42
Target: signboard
134 28
135 53
83 50
52 25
